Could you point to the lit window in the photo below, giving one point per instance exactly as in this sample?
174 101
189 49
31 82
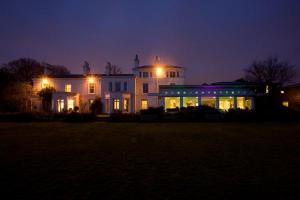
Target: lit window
116 104
60 105
208 101
285 103
244 103
91 88
126 105
267 89
144 104
172 102
68 88
190 101
145 88
282 91
226 103
70 104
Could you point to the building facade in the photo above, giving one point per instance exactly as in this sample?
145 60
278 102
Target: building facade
148 86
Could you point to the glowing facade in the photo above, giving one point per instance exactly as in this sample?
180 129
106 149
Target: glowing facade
148 86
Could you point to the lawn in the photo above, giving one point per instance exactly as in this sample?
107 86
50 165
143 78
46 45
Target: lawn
149 161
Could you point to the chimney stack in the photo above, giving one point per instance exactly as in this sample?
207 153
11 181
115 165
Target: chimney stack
136 61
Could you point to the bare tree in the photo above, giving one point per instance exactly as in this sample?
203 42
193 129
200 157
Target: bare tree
271 72
111 69
16 82
55 69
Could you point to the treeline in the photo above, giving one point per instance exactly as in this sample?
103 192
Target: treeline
16 81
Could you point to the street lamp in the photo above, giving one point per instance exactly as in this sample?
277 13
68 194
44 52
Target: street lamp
91 79
45 83
159 71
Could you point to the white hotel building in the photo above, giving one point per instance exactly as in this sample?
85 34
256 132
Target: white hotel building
148 86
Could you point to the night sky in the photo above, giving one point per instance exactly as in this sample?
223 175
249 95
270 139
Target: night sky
214 39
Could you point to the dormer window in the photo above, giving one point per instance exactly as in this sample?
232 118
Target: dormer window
68 88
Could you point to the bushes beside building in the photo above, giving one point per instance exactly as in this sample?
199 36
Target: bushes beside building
190 114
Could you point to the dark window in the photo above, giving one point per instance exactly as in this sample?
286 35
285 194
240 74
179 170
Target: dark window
150 74
177 74
172 74
140 74
110 87
172 83
145 88
125 86
167 74
118 86
145 74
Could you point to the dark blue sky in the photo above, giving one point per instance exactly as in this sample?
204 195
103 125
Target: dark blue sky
214 39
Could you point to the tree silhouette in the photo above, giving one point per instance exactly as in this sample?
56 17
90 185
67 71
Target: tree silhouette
271 72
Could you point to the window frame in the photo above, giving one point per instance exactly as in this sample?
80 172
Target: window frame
68 89
145 85
91 88
142 104
116 104
118 86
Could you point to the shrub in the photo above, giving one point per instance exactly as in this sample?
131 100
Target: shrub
239 115
152 114
124 117
79 117
96 106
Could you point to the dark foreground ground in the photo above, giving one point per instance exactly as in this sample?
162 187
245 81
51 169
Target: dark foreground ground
149 161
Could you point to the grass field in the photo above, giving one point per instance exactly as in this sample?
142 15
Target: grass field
149 161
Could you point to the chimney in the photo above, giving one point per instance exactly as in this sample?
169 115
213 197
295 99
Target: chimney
86 68
46 70
157 60
136 61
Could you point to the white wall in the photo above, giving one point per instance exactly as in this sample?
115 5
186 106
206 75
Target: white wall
129 93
